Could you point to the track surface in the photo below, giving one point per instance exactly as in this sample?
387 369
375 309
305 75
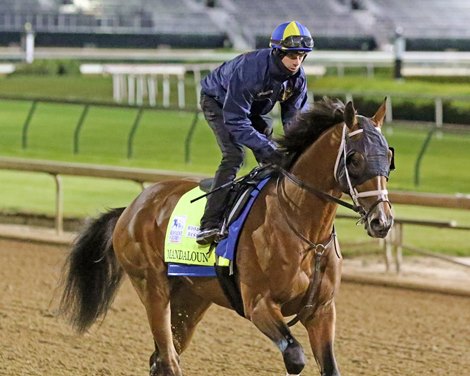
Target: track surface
380 331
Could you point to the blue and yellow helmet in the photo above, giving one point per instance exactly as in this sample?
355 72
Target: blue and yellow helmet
291 36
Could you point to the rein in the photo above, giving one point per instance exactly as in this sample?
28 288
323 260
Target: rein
294 179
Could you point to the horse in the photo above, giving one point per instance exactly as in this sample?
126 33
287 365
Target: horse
288 260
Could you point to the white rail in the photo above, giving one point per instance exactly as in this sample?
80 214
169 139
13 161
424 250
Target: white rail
57 169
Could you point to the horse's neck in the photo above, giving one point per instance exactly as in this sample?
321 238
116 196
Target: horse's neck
315 167
316 164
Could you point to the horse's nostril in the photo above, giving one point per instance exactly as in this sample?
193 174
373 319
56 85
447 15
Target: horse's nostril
380 226
377 224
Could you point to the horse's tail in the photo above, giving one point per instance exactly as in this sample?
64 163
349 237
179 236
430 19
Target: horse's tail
92 274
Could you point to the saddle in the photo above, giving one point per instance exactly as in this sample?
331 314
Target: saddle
239 194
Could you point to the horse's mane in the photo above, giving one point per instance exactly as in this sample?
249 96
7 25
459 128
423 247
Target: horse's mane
310 125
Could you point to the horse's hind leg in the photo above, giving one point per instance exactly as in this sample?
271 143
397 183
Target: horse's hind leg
153 287
267 317
321 332
155 294
187 310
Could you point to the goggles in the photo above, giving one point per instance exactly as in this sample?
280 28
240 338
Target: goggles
297 41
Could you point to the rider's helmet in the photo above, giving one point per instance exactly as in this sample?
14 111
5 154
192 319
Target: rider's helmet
291 36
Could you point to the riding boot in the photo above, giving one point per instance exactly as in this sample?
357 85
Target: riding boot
211 221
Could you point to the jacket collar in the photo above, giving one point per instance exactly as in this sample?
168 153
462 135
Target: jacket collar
277 70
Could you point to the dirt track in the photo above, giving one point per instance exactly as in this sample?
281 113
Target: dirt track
380 331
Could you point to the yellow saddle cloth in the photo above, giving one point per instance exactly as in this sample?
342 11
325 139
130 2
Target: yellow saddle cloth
180 240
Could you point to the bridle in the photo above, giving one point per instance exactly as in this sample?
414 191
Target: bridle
382 194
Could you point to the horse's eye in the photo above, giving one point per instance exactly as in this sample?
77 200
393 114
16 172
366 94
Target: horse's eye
355 163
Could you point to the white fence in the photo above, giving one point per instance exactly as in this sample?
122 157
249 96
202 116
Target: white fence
57 169
135 82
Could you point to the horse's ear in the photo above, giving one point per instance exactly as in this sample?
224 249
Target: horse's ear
379 116
349 115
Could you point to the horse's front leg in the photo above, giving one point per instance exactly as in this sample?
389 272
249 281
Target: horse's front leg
321 333
267 317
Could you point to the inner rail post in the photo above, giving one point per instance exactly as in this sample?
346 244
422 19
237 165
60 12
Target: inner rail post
59 204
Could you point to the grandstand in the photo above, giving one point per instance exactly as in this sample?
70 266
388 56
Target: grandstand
426 24
242 24
331 23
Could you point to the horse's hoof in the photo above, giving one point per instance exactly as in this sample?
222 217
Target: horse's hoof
294 359
153 370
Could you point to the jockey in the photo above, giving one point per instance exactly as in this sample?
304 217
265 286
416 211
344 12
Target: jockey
236 98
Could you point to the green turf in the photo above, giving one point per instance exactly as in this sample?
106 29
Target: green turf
385 85
60 87
159 141
443 167
442 240
34 193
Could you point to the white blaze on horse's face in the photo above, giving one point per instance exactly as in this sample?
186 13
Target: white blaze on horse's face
379 218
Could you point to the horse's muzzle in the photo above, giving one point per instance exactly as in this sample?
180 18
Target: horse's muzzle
379 221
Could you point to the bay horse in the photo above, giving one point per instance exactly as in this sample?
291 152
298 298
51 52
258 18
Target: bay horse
288 260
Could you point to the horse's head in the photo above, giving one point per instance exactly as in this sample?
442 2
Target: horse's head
362 168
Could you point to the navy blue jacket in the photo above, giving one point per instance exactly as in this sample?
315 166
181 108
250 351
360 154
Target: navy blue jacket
251 84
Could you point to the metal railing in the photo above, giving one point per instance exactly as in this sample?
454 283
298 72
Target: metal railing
57 169
87 105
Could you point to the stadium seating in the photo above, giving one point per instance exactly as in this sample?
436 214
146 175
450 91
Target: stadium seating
335 24
331 23
111 23
427 24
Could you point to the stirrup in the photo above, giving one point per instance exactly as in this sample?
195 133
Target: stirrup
206 237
